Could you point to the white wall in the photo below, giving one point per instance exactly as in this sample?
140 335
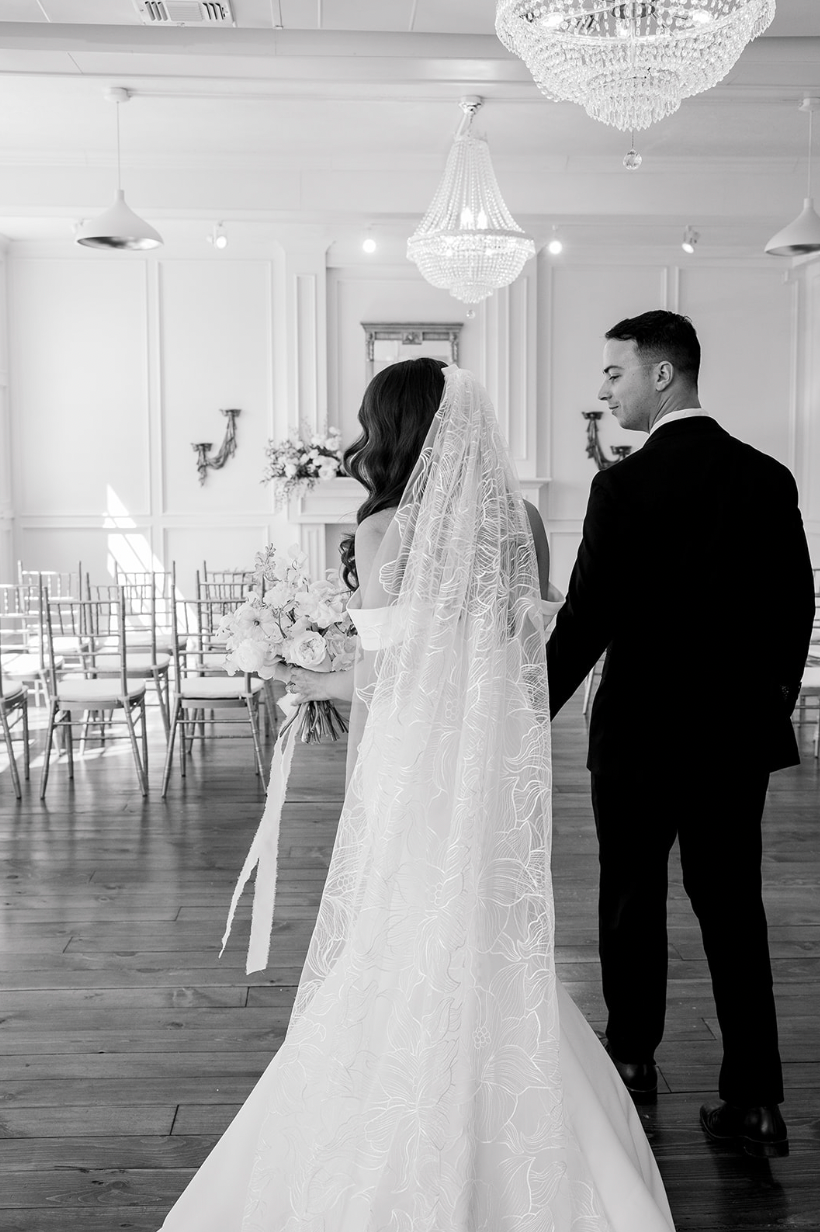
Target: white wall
119 362
745 315
808 401
6 488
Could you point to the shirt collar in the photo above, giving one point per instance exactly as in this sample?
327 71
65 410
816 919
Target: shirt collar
670 417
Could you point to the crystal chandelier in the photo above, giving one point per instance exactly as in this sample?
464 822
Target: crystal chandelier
468 242
629 64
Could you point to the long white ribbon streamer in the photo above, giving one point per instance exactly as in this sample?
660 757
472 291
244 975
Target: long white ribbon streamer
264 852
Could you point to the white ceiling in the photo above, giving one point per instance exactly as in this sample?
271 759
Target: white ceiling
347 111
794 17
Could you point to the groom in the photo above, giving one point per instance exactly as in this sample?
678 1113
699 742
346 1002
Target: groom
694 575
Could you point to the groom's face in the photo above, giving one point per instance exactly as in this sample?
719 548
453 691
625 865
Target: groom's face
629 385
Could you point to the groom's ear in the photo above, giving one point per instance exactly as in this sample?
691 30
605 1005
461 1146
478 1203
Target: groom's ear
664 372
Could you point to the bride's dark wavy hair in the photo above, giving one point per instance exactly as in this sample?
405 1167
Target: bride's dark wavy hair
398 407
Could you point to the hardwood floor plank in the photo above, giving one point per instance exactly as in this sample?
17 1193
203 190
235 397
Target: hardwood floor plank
88 999
44 1128
57 1219
127 1046
151 1149
206 1018
95 1040
213 1088
94 1068
156 1188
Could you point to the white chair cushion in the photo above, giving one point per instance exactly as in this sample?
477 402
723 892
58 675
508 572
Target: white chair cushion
96 694
69 644
13 697
215 688
111 664
28 665
209 660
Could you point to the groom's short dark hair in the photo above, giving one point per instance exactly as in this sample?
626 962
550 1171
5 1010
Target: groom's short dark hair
662 335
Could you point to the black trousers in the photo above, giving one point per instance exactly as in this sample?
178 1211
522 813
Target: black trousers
717 820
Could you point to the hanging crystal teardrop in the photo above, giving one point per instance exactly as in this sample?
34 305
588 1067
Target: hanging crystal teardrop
632 159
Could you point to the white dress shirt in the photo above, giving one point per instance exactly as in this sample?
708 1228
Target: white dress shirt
671 416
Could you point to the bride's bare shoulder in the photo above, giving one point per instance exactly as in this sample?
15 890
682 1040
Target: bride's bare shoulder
373 528
369 534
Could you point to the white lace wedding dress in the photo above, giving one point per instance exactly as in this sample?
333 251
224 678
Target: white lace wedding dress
435 1076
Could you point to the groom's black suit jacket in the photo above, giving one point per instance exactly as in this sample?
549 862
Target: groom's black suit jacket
694 575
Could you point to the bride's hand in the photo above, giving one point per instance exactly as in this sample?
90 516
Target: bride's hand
310 686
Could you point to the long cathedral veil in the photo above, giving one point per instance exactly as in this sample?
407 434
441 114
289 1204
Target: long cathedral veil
419 1084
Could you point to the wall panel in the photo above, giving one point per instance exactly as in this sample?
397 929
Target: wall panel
79 385
356 295
215 341
221 546
744 322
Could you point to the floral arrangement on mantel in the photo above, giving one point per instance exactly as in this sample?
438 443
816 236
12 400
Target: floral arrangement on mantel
296 465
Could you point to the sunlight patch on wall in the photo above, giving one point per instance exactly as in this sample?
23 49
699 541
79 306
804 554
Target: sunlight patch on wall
127 553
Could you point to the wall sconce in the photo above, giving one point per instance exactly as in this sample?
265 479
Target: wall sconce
594 449
226 450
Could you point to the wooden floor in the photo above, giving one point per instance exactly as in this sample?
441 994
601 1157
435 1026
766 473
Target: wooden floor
127 1045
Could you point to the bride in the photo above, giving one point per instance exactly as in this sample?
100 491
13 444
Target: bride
435 1076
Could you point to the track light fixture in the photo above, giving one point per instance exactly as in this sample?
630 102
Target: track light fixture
690 239
368 243
217 236
555 246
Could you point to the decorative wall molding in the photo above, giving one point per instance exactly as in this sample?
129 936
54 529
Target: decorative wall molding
534 345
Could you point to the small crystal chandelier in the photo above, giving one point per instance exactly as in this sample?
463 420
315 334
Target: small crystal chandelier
468 242
629 64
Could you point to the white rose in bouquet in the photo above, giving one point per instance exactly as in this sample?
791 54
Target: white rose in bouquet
307 650
249 656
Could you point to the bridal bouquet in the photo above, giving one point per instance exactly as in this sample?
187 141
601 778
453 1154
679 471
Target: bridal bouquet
295 466
287 618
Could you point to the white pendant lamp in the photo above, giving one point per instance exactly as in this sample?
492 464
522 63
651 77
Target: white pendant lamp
801 237
119 227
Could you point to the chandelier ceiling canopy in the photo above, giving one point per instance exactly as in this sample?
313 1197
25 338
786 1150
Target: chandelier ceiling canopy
629 64
468 242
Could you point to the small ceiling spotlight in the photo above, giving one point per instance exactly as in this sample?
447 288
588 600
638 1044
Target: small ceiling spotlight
217 236
368 243
690 239
555 246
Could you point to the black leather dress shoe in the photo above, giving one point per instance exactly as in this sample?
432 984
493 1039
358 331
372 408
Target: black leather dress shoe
760 1131
639 1077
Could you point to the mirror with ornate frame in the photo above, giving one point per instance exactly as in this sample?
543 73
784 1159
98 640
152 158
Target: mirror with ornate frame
387 342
